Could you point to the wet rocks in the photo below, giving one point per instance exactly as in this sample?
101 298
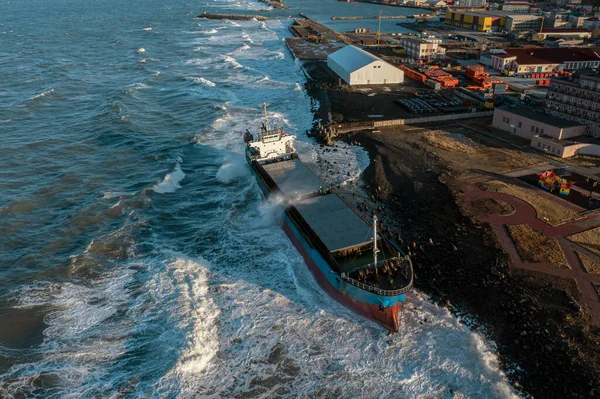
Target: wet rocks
233 17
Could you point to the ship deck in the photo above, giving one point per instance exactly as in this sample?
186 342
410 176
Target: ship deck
293 178
337 226
334 222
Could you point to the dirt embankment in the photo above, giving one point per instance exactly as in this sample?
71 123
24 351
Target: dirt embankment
416 187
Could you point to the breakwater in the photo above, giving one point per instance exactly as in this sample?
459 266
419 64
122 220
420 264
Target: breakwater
233 17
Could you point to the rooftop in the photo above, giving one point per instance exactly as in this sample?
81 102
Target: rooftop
541 117
352 58
546 55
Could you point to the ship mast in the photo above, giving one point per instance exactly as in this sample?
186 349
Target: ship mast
375 250
267 128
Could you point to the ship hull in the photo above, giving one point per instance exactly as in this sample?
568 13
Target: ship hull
387 317
383 310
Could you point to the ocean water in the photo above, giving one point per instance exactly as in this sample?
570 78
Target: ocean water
323 10
138 258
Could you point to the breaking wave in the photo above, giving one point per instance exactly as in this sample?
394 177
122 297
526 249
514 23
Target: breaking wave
204 82
43 94
107 322
170 182
234 167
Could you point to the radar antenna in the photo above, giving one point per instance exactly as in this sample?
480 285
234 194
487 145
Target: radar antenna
266 118
375 250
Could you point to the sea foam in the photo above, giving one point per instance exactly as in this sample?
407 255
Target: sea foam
170 182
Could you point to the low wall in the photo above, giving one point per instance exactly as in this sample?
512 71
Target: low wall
350 127
438 118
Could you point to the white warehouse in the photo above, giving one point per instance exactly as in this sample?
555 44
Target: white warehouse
357 67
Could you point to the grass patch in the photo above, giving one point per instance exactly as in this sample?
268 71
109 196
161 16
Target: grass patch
590 265
451 142
536 247
597 287
589 239
548 210
490 206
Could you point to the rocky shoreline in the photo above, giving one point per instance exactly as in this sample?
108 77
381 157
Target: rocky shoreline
545 348
233 17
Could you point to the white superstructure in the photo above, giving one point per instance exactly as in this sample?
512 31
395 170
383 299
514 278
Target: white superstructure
271 144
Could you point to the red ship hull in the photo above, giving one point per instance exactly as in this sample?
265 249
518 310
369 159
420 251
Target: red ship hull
387 317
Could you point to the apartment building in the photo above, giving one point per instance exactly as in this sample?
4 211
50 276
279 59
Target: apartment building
571 33
576 98
520 7
422 48
576 20
522 23
469 3
591 23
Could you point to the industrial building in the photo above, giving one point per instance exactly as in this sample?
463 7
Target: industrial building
493 21
527 123
479 21
576 98
358 67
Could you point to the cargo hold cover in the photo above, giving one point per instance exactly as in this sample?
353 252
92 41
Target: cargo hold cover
334 222
293 178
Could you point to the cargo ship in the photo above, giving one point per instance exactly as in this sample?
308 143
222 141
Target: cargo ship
348 258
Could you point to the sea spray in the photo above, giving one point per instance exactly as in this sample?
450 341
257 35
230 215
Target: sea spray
170 182
234 167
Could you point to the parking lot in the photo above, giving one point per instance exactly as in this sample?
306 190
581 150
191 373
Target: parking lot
430 102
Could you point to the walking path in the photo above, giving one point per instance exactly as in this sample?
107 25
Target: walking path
526 214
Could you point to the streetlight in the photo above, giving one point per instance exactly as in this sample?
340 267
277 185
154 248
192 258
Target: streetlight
379 29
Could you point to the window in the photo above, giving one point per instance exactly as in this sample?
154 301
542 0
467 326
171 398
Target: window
507 120
532 128
504 119
539 144
520 124
537 129
541 131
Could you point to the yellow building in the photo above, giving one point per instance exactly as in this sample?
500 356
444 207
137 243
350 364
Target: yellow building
480 21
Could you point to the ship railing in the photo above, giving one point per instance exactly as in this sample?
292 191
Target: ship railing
375 265
379 291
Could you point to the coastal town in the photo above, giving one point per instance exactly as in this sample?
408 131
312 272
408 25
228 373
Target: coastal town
482 121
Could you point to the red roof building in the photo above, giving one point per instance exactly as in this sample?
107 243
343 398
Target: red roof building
532 60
